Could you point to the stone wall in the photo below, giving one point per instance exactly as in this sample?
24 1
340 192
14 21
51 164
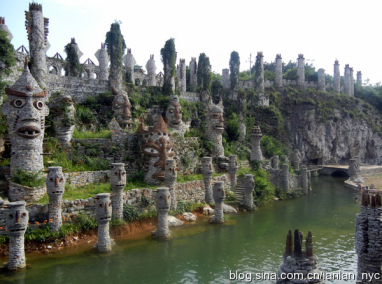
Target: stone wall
277 179
190 97
85 178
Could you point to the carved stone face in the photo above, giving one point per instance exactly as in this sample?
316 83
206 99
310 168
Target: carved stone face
162 199
249 183
170 171
215 121
55 181
207 166
121 107
218 191
17 218
174 113
103 207
118 176
232 165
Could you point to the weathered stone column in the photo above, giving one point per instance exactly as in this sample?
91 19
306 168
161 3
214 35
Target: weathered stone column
263 100
232 169
207 171
321 80
347 80
151 69
337 78
354 170
226 81
351 81
103 59
249 186
275 161
304 178
17 221
37 28
163 201
218 194
4 27
103 210
359 78
170 180
181 75
296 159
193 74
129 62
301 70
278 72
215 129
117 184
55 185
256 154
286 177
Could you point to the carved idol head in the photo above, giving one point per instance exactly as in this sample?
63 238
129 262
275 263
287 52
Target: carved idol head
162 199
25 111
55 181
232 165
170 171
218 191
249 183
103 207
16 218
174 113
121 107
215 120
117 176
157 147
207 168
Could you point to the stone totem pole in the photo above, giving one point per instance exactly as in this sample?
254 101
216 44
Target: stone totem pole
275 161
103 210
263 100
55 185
304 178
232 169
249 185
151 69
215 129
17 221
296 159
26 111
295 259
37 28
207 172
170 180
64 111
226 81
117 184
129 62
163 201
218 194
285 173
193 74
256 154
359 78
121 108
157 147
337 77
103 59
174 114
301 70
321 80
4 27
354 169
181 75
351 81
278 72
347 80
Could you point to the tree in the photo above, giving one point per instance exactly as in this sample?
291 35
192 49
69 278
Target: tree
204 73
168 53
234 68
6 51
115 45
73 66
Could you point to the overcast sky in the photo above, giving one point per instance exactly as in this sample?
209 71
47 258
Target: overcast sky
322 30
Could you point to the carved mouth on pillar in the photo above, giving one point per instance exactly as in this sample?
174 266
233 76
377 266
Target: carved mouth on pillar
57 192
118 185
29 132
175 123
105 218
164 208
158 175
219 127
21 229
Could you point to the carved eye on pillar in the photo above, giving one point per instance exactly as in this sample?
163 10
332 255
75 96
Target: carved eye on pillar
51 179
123 173
24 215
110 204
10 216
61 179
116 173
100 205
19 103
38 104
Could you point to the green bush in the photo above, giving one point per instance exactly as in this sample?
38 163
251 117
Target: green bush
27 178
130 213
84 115
272 147
231 132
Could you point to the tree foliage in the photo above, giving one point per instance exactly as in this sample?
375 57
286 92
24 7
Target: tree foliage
204 73
6 51
73 66
115 44
168 53
234 68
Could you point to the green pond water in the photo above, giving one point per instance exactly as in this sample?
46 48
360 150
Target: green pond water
203 253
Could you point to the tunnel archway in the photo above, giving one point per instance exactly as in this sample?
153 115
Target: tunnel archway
340 173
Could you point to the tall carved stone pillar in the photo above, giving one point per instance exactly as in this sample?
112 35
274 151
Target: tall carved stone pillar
263 100
301 71
163 202
354 169
218 194
103 59
129 62
37 27
256 154
296 159
337 78
170 180
215 129
278 72
347 81
181 75
226 81
232 169
193 74
17 221
351 81
285 177
304 178
359 78
151 69
249 186
321 80
55 185
275 161
103 210
117 184
207 171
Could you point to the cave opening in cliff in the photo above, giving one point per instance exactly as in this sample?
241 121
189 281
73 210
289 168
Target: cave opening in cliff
340 174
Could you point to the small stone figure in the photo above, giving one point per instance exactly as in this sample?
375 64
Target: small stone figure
170 180
122 109
103 210
218 193
163 201
103 59
249 186
256 154
151 68
215 129
117 184
296 159
207 172
17 221
232 169
55 185
174 114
